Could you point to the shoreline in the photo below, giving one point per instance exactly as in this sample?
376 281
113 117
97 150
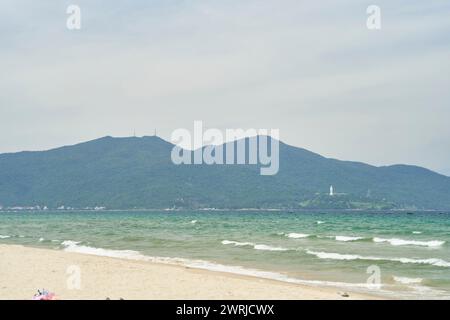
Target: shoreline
24 270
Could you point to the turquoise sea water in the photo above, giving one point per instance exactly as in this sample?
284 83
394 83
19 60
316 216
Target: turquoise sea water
410 251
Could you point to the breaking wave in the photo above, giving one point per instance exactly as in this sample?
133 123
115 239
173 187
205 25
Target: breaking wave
401 242
405 280
255 246
73 246
297 235
347 238
337 256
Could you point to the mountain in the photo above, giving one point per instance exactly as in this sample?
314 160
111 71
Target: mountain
138 173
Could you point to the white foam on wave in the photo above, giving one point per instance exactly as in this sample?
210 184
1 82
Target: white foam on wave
267 274
73 246
419 289
69 243
4 237
402 242
194 221
236 243
333 256
338 256
405 280
41 239
268 248
255 246
417 232
431 261
297 235
320 222
347 238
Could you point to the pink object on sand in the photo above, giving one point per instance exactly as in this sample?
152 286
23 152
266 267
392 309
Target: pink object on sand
44 295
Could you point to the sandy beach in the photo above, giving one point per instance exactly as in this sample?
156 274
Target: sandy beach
23 270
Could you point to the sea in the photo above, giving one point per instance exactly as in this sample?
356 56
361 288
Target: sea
401 255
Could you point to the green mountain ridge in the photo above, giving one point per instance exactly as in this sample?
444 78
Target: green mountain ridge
125 173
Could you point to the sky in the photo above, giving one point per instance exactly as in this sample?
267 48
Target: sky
311 69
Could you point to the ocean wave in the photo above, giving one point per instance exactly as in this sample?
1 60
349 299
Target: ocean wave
211 266
238 244
418 288
70 243
73 246
338 256
402 242
347 238
297 235
268 248
255 246
431 261
405 280
333 256
4 237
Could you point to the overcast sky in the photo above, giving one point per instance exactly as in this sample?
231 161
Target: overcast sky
309 68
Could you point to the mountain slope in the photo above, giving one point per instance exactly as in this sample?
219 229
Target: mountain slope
138 173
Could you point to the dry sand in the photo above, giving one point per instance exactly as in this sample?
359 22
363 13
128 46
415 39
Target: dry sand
23 270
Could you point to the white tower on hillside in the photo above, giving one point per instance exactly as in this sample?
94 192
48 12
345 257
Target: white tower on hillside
331 191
